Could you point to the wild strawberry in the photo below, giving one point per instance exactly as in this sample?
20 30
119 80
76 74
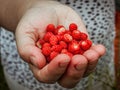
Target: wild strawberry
85 45
61 30
53 54
81 51
63 44
67 38
83 36
59 40
68 32
56 30
64 51
53 40
50 28
89 42
74 47
46 45
72 27
76 34
41 41
46 51
47 36
59 37
56 48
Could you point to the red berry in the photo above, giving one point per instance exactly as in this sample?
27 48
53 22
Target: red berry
67 38
83 36
63 44
41 41
76 34
46 51
59 40
64 51
72 27
53 54
81 51
68 32
61 30
47 36
85 45
56 48
50 28
46 45
89 42
53 40
59 37
74 47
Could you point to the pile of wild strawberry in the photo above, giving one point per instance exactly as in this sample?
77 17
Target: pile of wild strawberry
59 40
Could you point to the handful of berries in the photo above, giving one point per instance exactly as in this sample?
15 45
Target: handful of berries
59 40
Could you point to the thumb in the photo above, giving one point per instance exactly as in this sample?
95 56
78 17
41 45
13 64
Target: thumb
27 48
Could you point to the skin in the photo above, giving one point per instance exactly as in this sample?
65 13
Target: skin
29 22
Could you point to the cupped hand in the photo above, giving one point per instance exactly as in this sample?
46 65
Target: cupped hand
62 69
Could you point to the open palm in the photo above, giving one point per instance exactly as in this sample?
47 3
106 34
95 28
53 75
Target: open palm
63 69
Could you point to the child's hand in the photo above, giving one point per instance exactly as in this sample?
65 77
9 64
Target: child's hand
62 69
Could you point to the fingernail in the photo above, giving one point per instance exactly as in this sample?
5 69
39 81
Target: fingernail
80 66
65 63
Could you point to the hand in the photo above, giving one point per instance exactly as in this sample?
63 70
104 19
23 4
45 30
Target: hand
62 69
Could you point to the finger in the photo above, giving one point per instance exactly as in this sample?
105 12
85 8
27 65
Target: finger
92 57
100 49
26 44
52 71
74 72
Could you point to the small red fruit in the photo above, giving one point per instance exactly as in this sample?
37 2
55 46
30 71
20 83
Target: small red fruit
59 40
89 42
61 30
53 54
83 36
46 45
64 51
67 38
59 37
81 51
74 47
85 45
56 48
72 27
50 28
76 34
41 41
47 36
53 40
46 51
63 44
